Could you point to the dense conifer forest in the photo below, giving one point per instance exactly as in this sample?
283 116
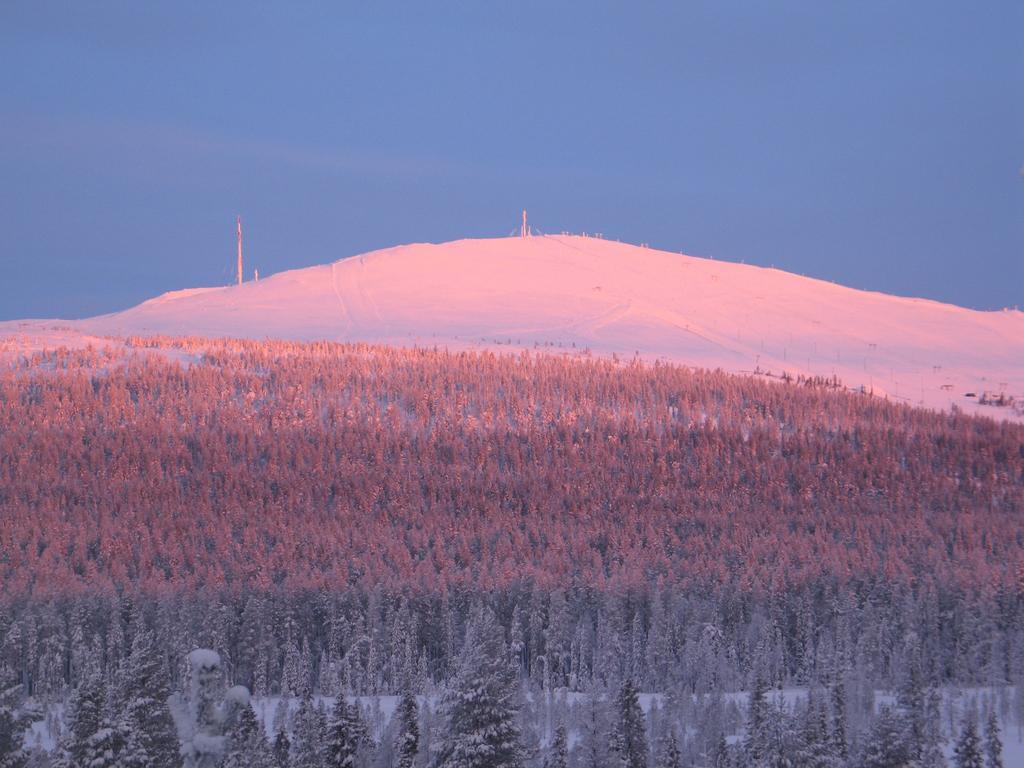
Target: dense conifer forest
575 563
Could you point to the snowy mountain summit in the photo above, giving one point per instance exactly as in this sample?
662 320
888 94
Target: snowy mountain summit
575 294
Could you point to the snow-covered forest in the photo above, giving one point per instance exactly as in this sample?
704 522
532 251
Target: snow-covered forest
428 559
260 465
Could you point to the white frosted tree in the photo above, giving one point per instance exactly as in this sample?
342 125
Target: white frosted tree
14 719
203 715
629 735
558 753
246 743
993 742
480 707
85 718
150 738
407 742
346 735
307 737
968 750
886 743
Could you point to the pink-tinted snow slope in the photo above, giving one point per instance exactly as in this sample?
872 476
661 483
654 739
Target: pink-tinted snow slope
570 294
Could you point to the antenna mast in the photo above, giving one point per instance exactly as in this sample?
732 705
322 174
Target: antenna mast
524 231
239 250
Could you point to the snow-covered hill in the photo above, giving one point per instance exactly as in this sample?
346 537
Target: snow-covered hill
570 294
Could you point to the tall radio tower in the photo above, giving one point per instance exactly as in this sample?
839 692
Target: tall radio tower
524 231
239 250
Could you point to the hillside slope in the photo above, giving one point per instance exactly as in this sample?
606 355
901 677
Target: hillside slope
568 293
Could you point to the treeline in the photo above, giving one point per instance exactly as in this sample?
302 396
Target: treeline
374 642
189 464
488 715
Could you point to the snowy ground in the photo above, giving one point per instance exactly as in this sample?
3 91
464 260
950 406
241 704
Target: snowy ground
580 295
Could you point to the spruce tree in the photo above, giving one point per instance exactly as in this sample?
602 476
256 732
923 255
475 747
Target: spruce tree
407 743
151 741
307 747
345 734
755 745
930 753
838 696
558 752
282 747
886 744
13 722
629 737
105 747
247 744
670 756
480 707
967 752
592 751
993 742
721 755
85 719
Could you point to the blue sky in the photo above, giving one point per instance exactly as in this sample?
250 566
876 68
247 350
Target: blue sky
875 144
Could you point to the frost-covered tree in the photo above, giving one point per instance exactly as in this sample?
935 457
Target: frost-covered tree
756 740
558 752
837 696
670 755
481 705
968 751
84 720
886 743
346 735
993 742
246 743
105 748
592 751
931 740
407 741
150 737
629 735
307 738
813 747
203 714
14 719
282 747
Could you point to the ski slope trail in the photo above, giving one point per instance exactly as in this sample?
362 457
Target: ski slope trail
579 295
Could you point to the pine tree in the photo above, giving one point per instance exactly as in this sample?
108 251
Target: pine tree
629 737
13 722
307 747
104 748
282 747
558 752
246 743
670 756
755 745
993 742
407 743
967 752
721 756
593 749
886 743
814 746
151 741
838 695
84 721
345 732
480 707
931 740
